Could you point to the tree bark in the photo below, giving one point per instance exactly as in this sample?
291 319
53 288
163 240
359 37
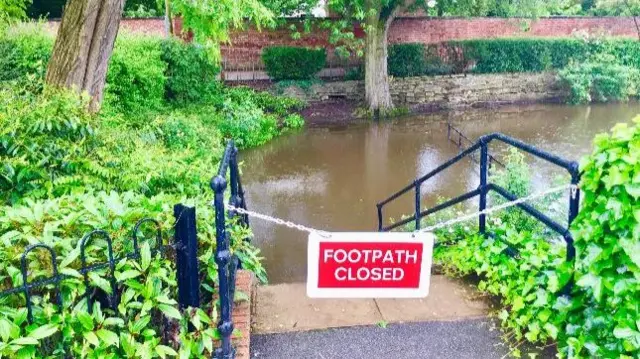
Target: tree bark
84 45
376 76
168 19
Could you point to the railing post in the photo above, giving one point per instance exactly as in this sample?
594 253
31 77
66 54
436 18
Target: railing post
223 259
418 206
186 239
379 217
234 199
484 170
574 207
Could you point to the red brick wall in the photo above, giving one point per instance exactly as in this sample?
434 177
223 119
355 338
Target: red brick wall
244 51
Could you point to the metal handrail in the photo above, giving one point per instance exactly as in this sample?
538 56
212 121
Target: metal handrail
228 263
482 144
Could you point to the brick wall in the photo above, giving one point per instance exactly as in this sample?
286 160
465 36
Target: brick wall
246 46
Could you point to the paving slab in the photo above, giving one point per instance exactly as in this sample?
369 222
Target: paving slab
449 299
286 308
468 339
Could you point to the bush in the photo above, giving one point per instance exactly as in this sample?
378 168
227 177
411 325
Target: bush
406 60
191 74
600 79
599 317
44 142
293 63
607 240
136 77
24 49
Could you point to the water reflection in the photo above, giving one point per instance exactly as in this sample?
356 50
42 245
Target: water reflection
331 178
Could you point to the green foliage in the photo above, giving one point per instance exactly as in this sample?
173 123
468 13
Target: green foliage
355 74
211 21
600 79
24 49
607 239
136 75
147 321
614 8
245 121
520 55
143 8
191 75
293 63
599 319
12 10
43 139
406 60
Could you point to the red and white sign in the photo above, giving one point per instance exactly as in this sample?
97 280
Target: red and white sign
369 265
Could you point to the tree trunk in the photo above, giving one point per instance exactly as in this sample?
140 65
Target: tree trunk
84 45
168 19
376 76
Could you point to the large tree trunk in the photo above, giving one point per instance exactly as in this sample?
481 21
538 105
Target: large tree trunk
376 78
84 45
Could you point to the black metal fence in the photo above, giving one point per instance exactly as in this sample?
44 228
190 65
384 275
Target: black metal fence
482 145
183 250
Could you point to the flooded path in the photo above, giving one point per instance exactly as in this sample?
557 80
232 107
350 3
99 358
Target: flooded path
331 178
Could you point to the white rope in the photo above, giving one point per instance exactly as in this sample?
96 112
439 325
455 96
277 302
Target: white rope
505 205
440 225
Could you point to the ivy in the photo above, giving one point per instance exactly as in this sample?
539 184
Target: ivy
600 316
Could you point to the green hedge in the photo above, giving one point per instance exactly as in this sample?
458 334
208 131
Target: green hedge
293 63
406 60
505 55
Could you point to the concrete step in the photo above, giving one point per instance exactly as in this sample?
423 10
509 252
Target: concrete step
286 308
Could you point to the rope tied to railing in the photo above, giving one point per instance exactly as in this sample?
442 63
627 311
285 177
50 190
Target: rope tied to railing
574 190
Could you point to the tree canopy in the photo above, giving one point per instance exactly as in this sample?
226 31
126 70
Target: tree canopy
11 10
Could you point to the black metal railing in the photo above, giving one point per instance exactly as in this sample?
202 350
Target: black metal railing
459 139
184 249
91 293
482 145
228 264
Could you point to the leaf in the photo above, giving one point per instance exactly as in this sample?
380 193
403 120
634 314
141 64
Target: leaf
25 341
552 330
129 274
91 338
164 350
623 332
44 331
100 282
145 256
85 319
170 311
108 337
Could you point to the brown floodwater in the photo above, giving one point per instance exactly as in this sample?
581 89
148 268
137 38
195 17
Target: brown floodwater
331 178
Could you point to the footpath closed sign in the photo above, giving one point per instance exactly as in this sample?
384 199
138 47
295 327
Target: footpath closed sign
369 265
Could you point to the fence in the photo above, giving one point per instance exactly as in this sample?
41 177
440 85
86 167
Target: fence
483 189
183 250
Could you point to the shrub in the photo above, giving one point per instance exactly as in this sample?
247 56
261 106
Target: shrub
293 63
191 74
136 77
600 79
607 240
44 141
406 60
24 49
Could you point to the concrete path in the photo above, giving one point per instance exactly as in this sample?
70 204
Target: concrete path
286 308
472 339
